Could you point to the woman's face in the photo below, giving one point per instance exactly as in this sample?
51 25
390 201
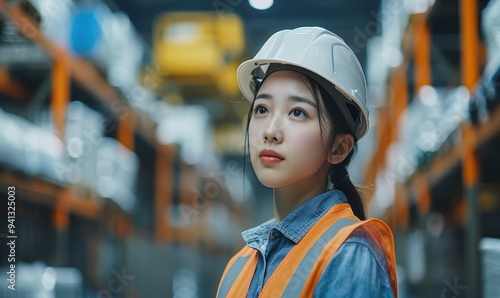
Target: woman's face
287 146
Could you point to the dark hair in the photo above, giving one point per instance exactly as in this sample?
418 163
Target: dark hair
338 176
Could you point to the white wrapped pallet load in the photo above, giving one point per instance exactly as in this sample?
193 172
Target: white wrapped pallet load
56 17
11 155
491 30
126 52
490 250
39 281
43 151
29 149
486 93
83 133
427 124
116 172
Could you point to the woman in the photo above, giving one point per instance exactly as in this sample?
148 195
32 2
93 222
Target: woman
308 110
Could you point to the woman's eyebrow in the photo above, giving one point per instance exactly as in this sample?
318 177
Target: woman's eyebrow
302 99
264 96
294 98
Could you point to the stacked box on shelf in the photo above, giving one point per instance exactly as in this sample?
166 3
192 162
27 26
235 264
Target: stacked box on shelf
490 28
11 142
38 280
91 160
83 135
56 17
116 172
427 124
486 93
29 149
490 250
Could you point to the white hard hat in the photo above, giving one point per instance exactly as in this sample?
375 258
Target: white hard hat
323 56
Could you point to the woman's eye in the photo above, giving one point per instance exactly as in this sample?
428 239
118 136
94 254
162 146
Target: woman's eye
259 110
299 113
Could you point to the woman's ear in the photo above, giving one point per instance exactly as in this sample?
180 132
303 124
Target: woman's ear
342 146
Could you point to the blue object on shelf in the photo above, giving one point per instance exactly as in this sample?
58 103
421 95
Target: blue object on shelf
85 32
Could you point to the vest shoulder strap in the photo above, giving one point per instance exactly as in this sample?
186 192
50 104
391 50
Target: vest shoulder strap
300 270
380 233
289 278
237 276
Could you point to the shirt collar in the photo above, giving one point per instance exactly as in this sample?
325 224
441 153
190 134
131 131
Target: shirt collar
296 224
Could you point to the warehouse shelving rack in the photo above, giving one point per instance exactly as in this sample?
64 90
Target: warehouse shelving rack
64 69
70 205
451 178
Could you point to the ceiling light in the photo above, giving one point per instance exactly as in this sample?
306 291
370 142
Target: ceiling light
261 4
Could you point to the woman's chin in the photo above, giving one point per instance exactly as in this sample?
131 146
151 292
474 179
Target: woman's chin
273 182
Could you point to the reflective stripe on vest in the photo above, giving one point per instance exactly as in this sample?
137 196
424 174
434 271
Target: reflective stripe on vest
227 283
244 261
300 270
299 277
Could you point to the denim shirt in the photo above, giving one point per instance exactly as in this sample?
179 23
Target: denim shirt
358 269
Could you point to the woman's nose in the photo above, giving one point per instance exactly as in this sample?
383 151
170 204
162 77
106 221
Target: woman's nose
272 132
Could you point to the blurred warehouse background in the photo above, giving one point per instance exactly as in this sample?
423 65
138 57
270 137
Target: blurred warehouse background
121 140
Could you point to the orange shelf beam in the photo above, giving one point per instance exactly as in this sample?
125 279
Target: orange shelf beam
470 76
60 91
65 200
163 193
471 169
61 211
125 132
422 50
11 88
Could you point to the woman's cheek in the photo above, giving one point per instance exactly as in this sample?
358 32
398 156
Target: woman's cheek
252 138
311 146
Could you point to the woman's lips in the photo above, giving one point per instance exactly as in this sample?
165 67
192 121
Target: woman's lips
270 157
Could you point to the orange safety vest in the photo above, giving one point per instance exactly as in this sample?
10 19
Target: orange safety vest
300 270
